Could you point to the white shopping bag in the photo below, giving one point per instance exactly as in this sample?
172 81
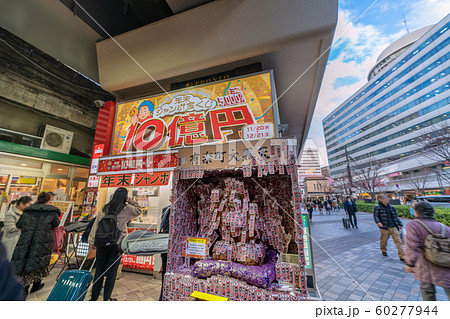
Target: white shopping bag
403 235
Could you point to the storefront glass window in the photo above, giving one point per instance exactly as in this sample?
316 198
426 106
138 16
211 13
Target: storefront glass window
57 186
24 186
81 172
77 193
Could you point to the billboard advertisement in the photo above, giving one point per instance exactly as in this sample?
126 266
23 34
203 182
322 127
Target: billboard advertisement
236 109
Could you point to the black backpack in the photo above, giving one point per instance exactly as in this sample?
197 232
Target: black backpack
108 233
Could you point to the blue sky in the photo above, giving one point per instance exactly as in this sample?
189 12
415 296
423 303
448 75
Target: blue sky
358 42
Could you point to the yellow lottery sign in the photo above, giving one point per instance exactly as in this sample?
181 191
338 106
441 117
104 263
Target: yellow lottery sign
236 109
196 247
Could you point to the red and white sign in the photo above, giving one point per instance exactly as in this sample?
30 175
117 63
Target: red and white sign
98 151
394 174
257 131
93 181
138 262
96 154
137 164
137 179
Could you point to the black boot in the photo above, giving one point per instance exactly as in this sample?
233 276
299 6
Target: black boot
36 286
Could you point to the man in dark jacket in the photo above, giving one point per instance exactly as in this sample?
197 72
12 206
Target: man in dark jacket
387 220
351 209
10 288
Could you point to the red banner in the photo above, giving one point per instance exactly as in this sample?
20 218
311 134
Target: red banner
138 262
131 164
137 179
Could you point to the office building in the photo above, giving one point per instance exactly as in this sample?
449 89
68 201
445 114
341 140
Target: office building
407 93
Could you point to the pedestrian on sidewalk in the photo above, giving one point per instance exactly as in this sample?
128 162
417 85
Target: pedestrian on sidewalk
320 205
428 273
309 208
386 218
351 209
12 234
108 256
328 205
334 204
33 251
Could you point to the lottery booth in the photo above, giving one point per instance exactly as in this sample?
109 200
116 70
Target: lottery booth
236 228
148 179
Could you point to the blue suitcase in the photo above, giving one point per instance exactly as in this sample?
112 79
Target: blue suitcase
71 286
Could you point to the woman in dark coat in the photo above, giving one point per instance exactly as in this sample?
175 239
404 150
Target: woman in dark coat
31 256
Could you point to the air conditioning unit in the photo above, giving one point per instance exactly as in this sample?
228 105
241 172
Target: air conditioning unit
56 139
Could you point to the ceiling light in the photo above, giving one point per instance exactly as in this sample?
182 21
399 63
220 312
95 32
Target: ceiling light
59 169
23 164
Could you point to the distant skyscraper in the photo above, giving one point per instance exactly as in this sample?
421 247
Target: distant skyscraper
325 171
309 163
407 92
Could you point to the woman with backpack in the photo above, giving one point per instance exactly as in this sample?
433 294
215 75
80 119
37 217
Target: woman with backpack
417 258
12 234
33 251
109 228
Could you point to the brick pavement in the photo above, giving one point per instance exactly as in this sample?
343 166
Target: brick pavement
357 252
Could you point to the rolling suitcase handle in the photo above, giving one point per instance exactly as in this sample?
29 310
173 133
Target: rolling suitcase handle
84 260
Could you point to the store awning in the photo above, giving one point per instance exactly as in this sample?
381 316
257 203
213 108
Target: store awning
25 150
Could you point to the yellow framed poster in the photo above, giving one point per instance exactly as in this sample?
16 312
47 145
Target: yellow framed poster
236 109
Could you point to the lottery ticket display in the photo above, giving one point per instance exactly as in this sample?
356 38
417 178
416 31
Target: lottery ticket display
244 213
179 285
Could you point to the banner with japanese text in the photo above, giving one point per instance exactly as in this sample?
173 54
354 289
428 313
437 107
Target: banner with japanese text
236 109
137 163
137 179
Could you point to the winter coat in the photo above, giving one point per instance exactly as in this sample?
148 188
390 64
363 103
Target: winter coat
424 270
34 248
380 216
347 206
128 213
12 233
10 288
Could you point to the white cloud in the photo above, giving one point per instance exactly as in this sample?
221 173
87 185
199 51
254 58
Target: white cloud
357 52
426 12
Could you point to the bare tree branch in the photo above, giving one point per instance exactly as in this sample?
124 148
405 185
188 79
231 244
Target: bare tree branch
418 181
436 142
367 176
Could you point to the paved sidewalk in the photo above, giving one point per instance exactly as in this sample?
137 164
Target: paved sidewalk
130 287
357 252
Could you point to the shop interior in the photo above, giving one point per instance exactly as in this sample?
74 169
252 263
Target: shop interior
24 176
152 200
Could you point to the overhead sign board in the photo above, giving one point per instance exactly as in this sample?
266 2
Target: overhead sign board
235 109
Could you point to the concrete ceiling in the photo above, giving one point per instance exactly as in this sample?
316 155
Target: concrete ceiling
52 28
290 37
197 39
